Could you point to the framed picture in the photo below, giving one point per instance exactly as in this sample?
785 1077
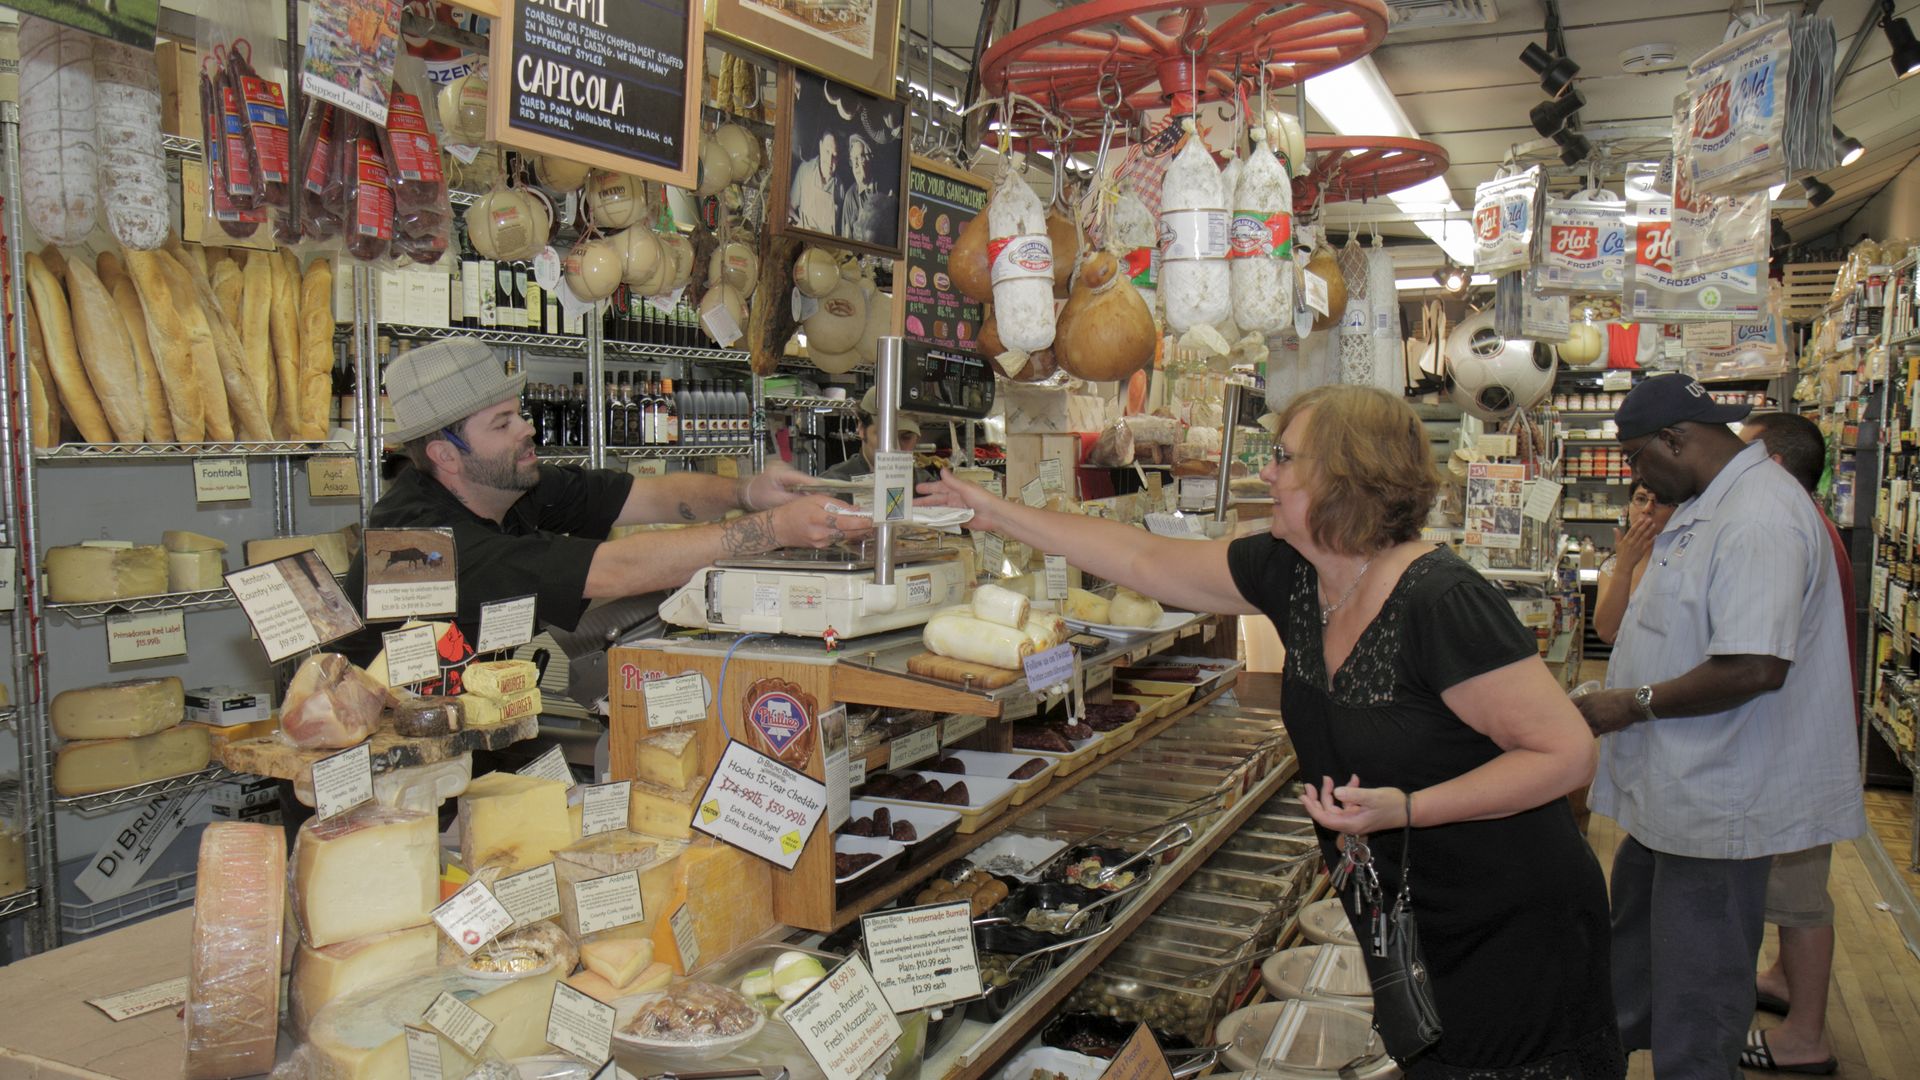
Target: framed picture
841 165
854 41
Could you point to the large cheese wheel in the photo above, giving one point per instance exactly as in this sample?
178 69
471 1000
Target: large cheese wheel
121 710
233 992
325 974
88 575
90 766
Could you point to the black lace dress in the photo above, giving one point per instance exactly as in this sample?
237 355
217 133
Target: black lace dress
1513 912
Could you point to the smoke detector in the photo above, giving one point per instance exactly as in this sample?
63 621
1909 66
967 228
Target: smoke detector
1653 56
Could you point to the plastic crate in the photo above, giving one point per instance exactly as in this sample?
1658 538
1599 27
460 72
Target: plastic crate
169 883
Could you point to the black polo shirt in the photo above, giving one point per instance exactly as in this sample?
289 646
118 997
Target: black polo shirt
543 546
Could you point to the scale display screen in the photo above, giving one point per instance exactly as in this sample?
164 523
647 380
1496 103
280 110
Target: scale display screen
942 382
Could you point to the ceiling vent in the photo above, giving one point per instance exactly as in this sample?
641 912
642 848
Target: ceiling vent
1426 14
1653 56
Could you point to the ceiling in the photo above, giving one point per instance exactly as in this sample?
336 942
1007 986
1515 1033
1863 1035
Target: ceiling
1465 88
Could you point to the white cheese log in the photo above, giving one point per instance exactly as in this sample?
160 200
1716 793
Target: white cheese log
962 637
1021 253
1262 243
1002 606
1195 282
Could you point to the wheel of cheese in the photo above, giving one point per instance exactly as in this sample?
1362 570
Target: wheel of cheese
233 992
122 710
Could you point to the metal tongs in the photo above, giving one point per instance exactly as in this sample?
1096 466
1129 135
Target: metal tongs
721 1074
1021 960
1166 841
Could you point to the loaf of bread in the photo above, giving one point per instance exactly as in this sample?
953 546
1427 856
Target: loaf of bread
284 328
169 341
249 421
105 352
206 359
316 349
40 389
228 286
111 270
256 340
153 395
77 399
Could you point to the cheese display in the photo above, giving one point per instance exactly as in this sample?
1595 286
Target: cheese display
121 710
617 960
654 976
363 1036
513 822
671 759
195 571
480 710
335 548
96 765
500 678
233 988
712 869
85 574
321 975
598 856
658 810
368 871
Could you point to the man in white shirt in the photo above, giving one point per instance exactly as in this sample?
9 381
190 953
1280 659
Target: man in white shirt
817 188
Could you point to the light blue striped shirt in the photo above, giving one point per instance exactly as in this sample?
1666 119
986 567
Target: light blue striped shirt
1745 567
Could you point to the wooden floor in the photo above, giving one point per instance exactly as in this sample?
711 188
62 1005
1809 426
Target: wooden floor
1890 816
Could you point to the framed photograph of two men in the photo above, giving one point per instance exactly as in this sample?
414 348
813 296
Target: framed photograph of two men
840 165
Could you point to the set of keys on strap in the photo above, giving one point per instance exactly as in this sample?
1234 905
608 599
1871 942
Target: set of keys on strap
1357 866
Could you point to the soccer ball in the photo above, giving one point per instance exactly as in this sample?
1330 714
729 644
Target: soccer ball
1491 376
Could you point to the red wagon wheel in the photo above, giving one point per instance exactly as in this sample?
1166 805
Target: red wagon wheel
1159 50
1364 167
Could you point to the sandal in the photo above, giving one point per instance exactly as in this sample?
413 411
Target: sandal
1758 1055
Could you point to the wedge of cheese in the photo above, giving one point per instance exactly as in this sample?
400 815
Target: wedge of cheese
708 869
96 765
598 856
658 810
670 759
182 540
368 871
334 971
513 822
480 710
617 960
499 678
91 575
233 988
362 1036
335 548
600 988
195 571
121 710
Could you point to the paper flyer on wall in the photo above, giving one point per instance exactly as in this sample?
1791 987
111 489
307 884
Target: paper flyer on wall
1496 495
410 573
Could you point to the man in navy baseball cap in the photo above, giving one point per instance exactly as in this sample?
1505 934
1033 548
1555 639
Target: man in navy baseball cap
1676 436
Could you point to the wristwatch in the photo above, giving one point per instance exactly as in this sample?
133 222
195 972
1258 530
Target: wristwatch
1643 700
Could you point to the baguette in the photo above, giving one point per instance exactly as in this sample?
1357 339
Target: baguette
249 422
106 353
110 269
228 287
153 393
77 400
56 263
45 399
285 329
170 343
316 349
206 358
256 341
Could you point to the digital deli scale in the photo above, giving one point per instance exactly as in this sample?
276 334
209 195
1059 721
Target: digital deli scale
880 585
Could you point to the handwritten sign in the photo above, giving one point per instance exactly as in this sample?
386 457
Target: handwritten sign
760 806
941 201
923 956
914 746
332 478
845 1022
221 480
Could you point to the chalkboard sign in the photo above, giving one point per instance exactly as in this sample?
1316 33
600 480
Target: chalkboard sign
609 83
939 324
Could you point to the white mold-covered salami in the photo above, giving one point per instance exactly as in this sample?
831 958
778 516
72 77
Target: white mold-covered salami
1260 246
1195 284
133 173
1021 255
59 163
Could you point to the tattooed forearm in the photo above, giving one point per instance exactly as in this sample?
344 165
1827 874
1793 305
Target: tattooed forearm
686 513
750 535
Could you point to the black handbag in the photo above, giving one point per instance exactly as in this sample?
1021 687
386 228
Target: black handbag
1403 1009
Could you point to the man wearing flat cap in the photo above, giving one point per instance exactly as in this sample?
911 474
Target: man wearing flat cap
1727 737
906 433
523 528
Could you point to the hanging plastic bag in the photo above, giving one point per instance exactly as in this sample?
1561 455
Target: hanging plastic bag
1656 292
1503 222
1581 245
1760 108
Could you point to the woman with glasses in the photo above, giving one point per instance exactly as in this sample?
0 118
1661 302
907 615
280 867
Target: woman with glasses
1412 693
1621 573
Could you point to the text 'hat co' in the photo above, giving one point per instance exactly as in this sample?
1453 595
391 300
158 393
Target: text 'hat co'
1662 401
442 383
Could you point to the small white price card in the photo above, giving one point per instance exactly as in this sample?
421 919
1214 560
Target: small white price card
505 624
722 325
342 781
760 806
472 917
332 478
551 765
603 807
457 1020
530 895
845 1022
914 746
684 937
892 485
170 994
681 699
1052 474
995 553
1056 577
579 1025
413 656
1050 668
1197 492
1316 290
856 771
1033 492
1542 497
923 956
151 636
650 466
220 480
609 902
423 1055
956 728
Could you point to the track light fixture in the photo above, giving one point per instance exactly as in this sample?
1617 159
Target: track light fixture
1906 51
1555 72
1817 192
1451 278
1848 147
1550 116
1574 146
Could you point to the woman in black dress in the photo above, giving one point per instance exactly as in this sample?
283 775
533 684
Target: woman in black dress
1406 672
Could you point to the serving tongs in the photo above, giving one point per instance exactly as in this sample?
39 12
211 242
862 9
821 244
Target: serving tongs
1165 842
721 1074
1076 918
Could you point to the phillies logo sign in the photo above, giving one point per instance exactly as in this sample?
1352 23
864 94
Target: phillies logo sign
1712 112
1574 241
1656 246
1486 223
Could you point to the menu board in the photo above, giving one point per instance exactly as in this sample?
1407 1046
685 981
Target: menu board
940 201
610 84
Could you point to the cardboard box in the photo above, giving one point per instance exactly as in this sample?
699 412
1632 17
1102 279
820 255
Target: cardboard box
179 88
226 706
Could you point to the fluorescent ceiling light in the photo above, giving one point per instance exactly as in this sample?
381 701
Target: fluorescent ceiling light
1355 101
1418 283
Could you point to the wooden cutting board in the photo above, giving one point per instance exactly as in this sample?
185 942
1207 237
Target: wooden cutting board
947 669
274 756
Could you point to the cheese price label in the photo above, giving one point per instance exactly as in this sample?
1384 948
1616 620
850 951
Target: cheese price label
342 781
1056 577
458 1021
603 808
681 699
579 1025
332 478
1052 475
551 765
472 917
761 805
413 656
221 480
845 1022
1034 492
606 903
423 1055
505 624
150 636
530 896
685 938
